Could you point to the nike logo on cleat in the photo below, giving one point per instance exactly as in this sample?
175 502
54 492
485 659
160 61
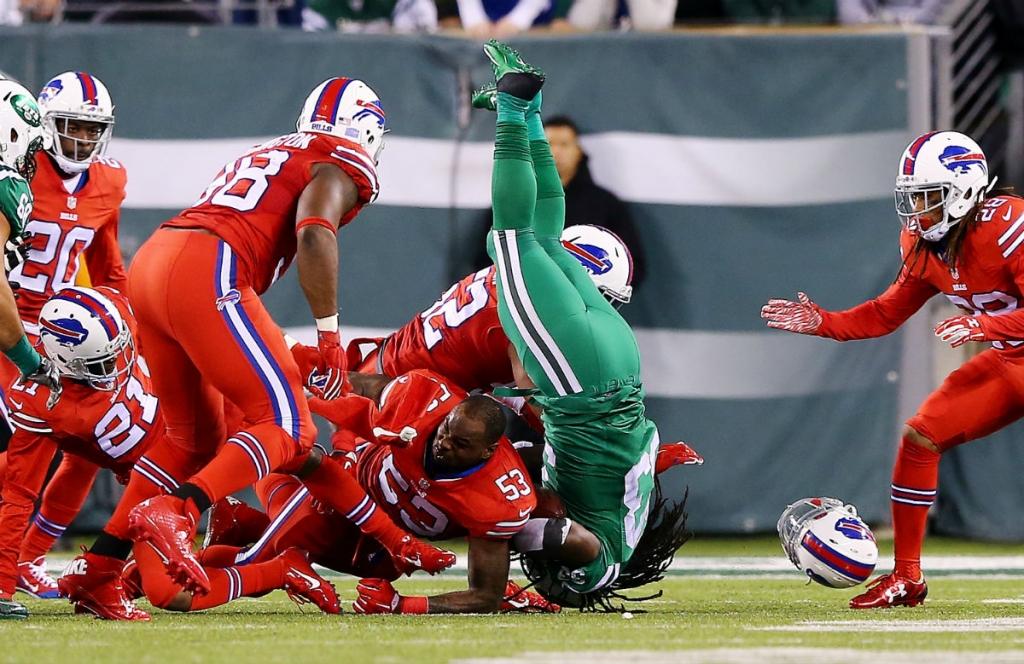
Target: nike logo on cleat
313 583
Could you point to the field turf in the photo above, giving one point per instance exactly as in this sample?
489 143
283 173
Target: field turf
703 616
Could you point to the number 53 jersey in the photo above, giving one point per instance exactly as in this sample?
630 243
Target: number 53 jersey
492 500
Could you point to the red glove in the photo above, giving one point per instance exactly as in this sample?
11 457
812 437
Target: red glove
803 316
517 599
329 380
379 596
958 330
326 385
676 454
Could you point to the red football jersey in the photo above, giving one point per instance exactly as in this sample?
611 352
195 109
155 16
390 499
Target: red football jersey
459 337
493 500
65 224
251 203
85 422
987 281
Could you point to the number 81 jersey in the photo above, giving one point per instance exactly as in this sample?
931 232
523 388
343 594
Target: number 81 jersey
113 430
492 501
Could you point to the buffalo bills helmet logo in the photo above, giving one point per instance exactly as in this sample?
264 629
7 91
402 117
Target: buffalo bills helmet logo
595 259
854 529
372 109
67 331
960 159
51 90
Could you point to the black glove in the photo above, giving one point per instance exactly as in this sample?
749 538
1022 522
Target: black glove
15 252
48 375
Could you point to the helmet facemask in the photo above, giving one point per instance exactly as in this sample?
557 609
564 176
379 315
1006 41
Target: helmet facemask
26 163
78 156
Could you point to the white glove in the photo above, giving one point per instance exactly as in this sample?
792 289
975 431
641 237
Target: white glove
803 316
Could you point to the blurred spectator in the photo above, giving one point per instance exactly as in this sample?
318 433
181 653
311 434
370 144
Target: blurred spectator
781 11
404 16
585 201
10 13
499 19
700 12
605 14
853 12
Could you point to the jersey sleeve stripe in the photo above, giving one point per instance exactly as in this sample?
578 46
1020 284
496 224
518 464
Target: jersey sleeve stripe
1013 230
27 418
512 524
25 427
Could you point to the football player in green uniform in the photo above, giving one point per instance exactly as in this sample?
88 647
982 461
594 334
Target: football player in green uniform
578 357
21 136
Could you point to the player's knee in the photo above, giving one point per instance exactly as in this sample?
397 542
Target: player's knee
913 436
558 539
581 547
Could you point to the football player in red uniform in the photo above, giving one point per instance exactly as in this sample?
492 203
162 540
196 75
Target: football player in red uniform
437 462
196 286
111 417
78 193
959 240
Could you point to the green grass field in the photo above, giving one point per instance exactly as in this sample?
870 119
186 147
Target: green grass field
702 617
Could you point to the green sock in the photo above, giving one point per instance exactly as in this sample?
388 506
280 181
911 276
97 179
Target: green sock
549 213
513 183
511 109
534 123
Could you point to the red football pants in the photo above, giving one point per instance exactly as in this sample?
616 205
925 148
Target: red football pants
206 337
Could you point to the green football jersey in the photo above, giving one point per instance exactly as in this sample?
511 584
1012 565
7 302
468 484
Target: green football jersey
15 199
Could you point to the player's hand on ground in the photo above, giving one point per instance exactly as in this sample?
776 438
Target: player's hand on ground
803 316
958 330
48 376
377 596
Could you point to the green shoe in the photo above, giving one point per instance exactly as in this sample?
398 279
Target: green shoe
513 75
486 98
11 610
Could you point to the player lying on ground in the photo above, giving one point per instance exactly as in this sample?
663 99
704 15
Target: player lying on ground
437 462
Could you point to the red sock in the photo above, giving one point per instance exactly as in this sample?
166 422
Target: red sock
274 490
62 501
915 480
225 584
247 457
335 487
218 556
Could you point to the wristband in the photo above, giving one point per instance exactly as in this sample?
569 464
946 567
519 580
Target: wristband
24 356
327 324
413 605
316 221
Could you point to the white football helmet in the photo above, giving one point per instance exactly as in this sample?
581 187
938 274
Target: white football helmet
828 541
21 133
940 169
348 108
75 95
606 259
85 335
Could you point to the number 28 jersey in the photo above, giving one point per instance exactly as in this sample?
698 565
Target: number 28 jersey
492 501
252 202
459 337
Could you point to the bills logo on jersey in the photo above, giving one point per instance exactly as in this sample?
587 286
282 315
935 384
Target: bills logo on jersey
51 90
854 529
960 159
232 297
67 331
595 259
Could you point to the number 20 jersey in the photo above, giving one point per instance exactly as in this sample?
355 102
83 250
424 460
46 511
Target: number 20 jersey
491 501
252 202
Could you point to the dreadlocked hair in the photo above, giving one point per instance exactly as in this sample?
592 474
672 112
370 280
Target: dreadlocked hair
665 533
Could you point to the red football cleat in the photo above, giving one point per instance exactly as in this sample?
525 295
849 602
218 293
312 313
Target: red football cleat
34 580
234 523
517 599
676 454
891 590
93 584
131 579
303 584
413 554
169 527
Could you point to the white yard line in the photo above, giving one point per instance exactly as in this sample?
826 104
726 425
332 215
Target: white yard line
748 655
